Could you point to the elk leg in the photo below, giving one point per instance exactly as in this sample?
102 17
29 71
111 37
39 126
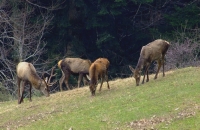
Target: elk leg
21 92
163 59
61 81
102 79
163 62
18 82
159 66
147 73
66 80
80 77
85 80
144 77
30 92
107 79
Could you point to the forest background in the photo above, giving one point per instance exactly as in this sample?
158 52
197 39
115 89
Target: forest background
44 31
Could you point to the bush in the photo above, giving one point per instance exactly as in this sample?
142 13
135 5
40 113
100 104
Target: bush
184 49
182 54
4 94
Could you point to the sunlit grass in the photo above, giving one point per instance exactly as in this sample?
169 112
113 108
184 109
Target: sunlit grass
169 101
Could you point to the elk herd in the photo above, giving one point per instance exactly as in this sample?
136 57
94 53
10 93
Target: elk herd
88 71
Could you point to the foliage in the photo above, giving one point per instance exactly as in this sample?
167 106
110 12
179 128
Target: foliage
4 94
184 49
185 16
117 26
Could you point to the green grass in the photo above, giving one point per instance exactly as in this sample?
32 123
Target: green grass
170 102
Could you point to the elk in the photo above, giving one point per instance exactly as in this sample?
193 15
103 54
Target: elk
27 75
154 51
73 66
104 61
98 70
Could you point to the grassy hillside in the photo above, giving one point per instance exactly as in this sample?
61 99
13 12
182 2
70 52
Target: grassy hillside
170 102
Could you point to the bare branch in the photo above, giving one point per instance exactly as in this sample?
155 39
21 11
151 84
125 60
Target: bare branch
21 38
54 6
184 50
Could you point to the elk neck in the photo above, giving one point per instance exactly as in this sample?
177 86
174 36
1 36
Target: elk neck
140 63
36 81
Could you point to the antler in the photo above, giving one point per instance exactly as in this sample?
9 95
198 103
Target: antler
52 75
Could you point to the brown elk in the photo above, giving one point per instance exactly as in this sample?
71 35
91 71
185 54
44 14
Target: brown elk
70 66
98 70
154 51
104 61
26 74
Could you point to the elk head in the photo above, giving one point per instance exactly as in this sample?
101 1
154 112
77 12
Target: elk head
136 75
92 86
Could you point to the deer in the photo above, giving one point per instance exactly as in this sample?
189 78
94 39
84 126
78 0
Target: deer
73 66
98 70
27 75
154 51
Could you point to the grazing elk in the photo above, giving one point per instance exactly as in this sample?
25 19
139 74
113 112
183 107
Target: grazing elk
70 66
26 74
104 61
98 70
154 51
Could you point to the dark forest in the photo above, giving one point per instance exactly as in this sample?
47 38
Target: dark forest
44 31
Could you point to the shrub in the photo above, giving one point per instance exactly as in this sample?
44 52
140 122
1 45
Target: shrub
4 94
182 54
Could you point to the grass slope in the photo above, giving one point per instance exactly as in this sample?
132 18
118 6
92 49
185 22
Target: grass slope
170 102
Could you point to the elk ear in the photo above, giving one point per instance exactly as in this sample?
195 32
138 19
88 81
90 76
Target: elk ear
131 68
88 77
